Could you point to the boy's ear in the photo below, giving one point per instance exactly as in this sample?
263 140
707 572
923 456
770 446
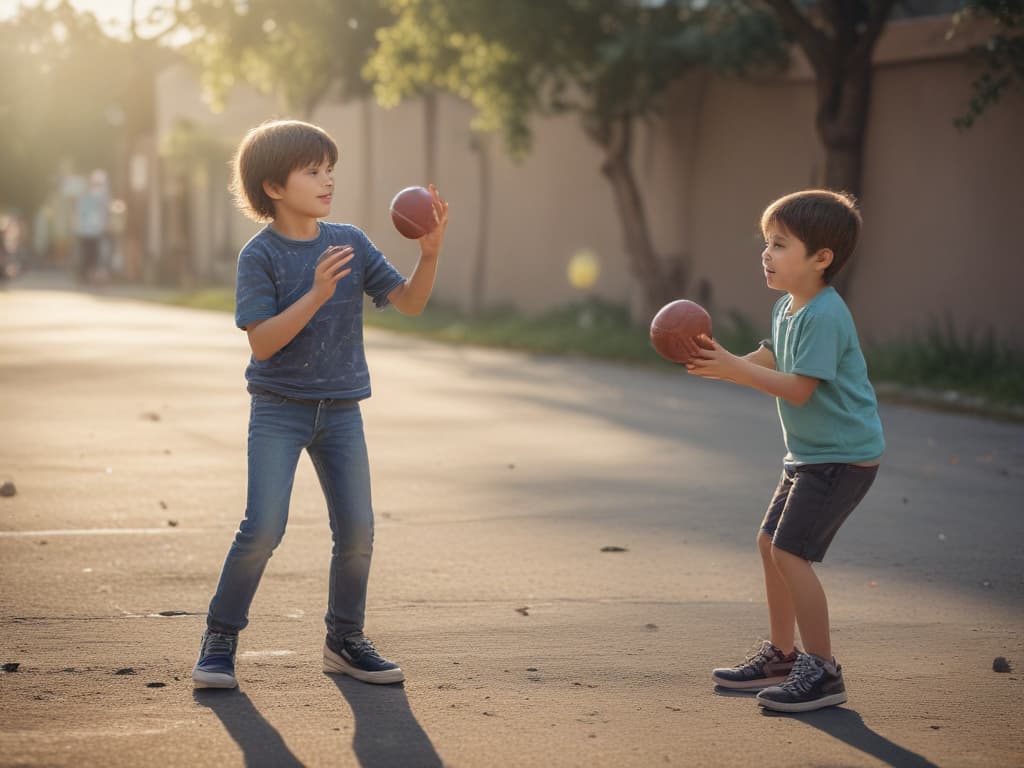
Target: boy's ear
823 259
273 190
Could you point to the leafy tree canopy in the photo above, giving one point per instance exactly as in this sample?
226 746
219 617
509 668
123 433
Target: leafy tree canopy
1002 56
602 59
68 90
297 51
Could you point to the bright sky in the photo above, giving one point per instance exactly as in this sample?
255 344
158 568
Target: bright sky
112 14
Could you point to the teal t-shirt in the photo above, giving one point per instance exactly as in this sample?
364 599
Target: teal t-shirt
839 423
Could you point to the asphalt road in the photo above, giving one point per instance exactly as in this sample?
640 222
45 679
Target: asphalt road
498 480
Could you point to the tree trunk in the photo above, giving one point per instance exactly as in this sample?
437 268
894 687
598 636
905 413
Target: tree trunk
481 144
839 38
366 205
430 136
844 97
659 284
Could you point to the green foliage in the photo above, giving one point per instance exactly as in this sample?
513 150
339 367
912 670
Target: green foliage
602 59
67 93
1002 57
299 52
591 328
190 143
941 360
944 360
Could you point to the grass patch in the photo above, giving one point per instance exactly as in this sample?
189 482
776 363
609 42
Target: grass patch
941 362
590 329
206 298
945 361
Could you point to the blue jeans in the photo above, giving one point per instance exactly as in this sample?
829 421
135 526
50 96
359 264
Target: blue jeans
331 431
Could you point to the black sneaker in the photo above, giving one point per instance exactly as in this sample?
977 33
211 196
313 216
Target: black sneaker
355 656
763 667
216 665
811 685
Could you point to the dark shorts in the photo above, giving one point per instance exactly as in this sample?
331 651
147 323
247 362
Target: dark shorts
810 504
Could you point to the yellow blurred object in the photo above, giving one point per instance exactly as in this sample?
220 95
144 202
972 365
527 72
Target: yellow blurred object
583 269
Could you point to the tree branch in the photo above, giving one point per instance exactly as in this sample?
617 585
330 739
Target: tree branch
810 38
878 14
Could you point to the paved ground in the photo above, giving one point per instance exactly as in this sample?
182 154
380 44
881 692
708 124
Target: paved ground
498 479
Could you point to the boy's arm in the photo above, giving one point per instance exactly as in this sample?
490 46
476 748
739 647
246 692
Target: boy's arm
762 356
267 337
714 361
411 296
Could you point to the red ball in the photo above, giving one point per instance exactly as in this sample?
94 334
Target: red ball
676 322
412 212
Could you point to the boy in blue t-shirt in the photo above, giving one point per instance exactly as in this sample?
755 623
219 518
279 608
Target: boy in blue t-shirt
299 297
814 367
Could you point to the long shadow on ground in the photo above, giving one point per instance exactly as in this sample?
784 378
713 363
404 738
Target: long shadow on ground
849 727
387 732
259 741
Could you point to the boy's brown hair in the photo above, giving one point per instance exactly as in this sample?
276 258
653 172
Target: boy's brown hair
270 152
820 219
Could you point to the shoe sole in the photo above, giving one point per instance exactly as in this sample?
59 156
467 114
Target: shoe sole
804 706
748 685
203 679
336 665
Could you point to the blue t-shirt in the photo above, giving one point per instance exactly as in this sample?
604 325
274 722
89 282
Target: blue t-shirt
325 360
839 423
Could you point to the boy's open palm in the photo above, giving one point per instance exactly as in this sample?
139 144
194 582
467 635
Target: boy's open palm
331 269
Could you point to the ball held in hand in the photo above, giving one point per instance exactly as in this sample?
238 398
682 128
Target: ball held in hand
675 323
412 212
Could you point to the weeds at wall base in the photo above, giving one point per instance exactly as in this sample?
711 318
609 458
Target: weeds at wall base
940 370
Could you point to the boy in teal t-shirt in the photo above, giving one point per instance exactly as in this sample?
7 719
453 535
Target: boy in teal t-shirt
814 367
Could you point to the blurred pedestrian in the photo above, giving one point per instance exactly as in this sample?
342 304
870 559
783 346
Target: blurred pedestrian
12 246
92 216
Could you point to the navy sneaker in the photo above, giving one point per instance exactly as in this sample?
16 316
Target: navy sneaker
765 666
355 656
814 683
216 665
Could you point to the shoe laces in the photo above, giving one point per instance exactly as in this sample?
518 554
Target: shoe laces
760 655
361 646
806 671
218 644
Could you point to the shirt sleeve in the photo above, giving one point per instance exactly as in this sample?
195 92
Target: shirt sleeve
255 291
817 347
381 275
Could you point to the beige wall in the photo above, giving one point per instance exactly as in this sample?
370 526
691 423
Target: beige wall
941 207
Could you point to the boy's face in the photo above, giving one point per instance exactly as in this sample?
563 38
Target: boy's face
787 265
307 192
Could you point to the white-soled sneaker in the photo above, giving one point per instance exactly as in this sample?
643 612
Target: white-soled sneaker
811 685
356 657
215 667
764 666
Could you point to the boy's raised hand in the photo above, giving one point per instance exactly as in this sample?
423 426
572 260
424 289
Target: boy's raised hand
330 269
430 244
